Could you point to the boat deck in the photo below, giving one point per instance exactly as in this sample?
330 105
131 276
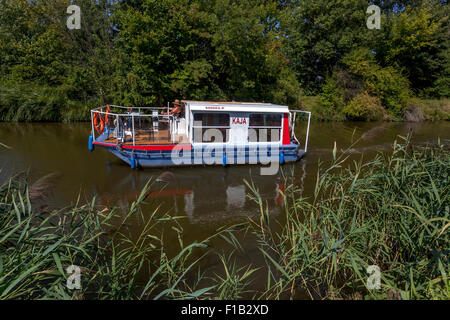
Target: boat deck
147 137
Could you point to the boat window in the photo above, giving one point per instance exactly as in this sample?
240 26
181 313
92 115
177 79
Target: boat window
264 127
213 119
211 127
265 120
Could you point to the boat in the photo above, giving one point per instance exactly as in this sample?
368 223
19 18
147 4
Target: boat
189 133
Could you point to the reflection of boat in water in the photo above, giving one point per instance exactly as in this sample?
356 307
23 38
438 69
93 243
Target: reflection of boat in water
199 133
223 196
206 195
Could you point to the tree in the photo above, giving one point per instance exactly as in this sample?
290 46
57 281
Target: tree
319 33
201 50
414 40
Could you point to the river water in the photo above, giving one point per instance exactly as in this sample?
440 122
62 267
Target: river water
207 197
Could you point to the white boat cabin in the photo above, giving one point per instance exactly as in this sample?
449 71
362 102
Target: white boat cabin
236 123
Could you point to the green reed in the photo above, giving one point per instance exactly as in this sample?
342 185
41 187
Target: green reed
37 246
392 211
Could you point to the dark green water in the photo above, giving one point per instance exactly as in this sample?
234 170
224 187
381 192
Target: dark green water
208 197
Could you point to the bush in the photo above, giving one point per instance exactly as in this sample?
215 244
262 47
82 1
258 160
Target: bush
364 107
287 89
386 83
392 89
442 87
353 85
331 102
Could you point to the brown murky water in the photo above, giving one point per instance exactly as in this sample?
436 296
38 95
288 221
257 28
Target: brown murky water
208 197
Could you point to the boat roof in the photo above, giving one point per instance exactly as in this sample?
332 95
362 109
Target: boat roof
227 106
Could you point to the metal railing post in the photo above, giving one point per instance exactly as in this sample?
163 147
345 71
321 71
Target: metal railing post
307 132
307 129
293 123
132 123
92 125
116 129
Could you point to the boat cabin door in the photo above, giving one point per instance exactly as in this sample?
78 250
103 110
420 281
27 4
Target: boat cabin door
239 128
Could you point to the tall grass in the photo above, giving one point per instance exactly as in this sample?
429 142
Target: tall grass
36 247
392 211
423 109
26 103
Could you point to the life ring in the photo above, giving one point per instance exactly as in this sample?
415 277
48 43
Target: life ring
99 123
108 110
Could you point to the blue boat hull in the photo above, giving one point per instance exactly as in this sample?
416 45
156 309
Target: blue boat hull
204 155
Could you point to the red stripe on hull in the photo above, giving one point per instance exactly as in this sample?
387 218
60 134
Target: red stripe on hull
150 147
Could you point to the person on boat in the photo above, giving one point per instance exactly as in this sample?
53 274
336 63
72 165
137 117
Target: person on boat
176 110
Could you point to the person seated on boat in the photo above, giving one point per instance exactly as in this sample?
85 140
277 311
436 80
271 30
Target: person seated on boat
176 110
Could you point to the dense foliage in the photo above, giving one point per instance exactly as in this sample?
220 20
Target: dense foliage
145 53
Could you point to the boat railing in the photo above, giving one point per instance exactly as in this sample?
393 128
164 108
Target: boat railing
293 114
130 124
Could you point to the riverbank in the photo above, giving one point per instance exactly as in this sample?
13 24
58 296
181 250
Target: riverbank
390 211
417 110
35 103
